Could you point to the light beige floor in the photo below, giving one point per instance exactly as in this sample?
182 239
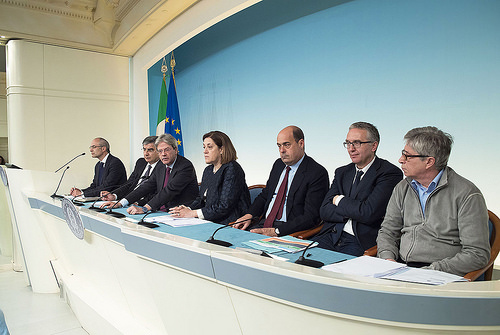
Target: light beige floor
29 313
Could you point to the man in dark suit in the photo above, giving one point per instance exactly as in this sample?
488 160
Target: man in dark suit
355 205
173 182
144 168
296 186
109 172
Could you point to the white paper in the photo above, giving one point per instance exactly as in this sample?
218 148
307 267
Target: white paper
422 276
365 266
175 222
374 267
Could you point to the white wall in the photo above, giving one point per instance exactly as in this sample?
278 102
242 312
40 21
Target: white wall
58 100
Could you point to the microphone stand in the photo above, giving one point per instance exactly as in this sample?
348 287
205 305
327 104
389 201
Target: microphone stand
147 224
115 214
220 242
54 195
302 260
97 209
82 154
76 203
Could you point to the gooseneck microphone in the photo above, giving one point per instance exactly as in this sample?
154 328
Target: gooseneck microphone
302 260
147 224
55 195
82 154
115 214
94 208
224 243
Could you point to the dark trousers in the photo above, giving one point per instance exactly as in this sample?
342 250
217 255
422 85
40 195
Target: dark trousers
346 243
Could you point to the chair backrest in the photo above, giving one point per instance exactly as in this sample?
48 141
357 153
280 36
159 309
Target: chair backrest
255 190
494 223
494 242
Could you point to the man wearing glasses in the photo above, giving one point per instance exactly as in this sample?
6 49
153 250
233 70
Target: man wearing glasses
435 218
174 182
293 193
144 168
109 172
354 207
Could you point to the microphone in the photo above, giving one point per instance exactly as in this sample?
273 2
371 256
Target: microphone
97 209
115 214
70 161
311 262
147 224
54 195
224 243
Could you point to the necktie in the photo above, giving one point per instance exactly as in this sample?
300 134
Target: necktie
354 186
167 175
143 178
148 170
100 171
277 210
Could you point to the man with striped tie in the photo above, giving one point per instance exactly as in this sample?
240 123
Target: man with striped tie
144 167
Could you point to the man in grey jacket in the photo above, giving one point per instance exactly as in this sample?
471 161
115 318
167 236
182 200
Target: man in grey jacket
435 218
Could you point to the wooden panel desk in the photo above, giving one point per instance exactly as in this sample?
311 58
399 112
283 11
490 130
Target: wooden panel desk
126 279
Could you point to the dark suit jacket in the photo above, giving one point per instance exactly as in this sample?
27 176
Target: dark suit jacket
114 174
132 181
181 189
224 195
306 193
367 206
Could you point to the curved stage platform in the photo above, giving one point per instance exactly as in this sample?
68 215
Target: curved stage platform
122 278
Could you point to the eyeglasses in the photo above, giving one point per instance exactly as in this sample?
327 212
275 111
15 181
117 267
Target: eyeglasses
356 144
95 146
406 155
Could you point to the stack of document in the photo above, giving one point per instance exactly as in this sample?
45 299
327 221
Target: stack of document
175 222
277 244
380 268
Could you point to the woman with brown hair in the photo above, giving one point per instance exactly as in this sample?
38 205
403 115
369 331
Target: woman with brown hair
224 195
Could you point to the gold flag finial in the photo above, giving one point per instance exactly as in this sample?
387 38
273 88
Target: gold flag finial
164 67
172 61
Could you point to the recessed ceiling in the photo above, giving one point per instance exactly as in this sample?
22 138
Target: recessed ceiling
112 26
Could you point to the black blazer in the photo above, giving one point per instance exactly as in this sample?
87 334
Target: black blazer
306 193
367 206
114 174
133 179
227 197
181 189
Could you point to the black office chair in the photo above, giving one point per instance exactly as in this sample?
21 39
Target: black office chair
255 190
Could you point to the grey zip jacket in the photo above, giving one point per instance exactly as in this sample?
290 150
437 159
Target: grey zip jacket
453 234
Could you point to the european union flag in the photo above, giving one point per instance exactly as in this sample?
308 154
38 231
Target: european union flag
172 118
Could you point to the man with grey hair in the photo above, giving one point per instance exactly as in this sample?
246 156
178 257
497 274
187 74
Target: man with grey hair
109 172
144 168
354 207
174 182
435 218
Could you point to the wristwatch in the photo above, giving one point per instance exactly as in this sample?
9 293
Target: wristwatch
277 231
